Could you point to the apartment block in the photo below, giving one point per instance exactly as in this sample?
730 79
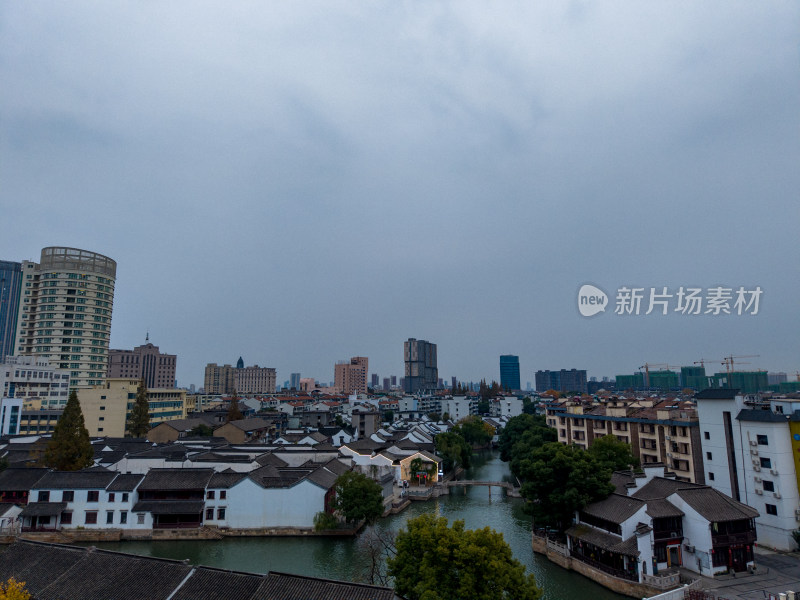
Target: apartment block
350 377
143 362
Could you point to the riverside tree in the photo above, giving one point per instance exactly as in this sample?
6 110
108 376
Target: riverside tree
517 428
358 497
433 561
454 450
612 453
234 413
70 448
559 480
139 420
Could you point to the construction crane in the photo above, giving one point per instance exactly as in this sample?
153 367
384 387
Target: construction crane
728 361
646 367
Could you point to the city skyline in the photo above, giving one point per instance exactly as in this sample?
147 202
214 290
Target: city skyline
300 184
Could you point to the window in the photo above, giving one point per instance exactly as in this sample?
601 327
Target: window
766 463
209 514
708 455
93 496
223 495
125 496
66 518
91 517
140 518
44 496
123 517
210 495
772 509
707 435
762 440
111 496
220 513
109 517
711 476
67 496
769 486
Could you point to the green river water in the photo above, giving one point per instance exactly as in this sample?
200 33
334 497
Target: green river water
338 558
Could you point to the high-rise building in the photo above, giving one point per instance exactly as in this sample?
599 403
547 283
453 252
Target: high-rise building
143 362
10 283
572 380
35 381
65 311
225 379
509 372
375 381
294 381
350 377
422 372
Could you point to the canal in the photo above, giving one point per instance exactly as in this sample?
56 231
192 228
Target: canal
339 558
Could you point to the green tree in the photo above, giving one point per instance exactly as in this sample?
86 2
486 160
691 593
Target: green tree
70 448
559 480
475 430
454 449
201 430
358 497
434 416
234 414
436 562
528 407
139 419
613 454
517 427
388 416
324 520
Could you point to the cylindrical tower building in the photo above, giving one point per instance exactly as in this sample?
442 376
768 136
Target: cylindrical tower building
65 312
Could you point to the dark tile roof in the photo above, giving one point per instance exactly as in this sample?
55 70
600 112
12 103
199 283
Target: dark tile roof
616 508
716 506
176 479
660 508
716 394
225 480
604 540
125 482
763 416
621 480
323 478
251 424
170 507
43 509
76 480
270 459
20 478
169 451
6 507
37 565
660 487
213 584
281 586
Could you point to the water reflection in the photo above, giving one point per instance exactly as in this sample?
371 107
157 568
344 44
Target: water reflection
339 558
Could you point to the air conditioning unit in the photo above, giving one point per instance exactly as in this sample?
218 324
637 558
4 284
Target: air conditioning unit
760 492
758 479
690 549
753 443
756 468
756 462
774 471
753 451
777 495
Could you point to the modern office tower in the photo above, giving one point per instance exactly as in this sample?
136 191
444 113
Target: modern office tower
65 311
294 381
226 379
572 380
422 372
143 362
386 384
35 381
394 381
10 283
509 372
375 381
350 377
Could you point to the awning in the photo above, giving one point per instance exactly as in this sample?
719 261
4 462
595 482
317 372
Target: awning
604 540
170 507
43 509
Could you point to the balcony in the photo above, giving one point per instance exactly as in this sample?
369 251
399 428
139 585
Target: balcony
733 539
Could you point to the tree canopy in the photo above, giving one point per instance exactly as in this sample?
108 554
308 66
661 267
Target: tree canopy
70 448
201 430
454 449
558 480
474 430
613 454
358 497
139 419
234 414
517 427
13 590
434 561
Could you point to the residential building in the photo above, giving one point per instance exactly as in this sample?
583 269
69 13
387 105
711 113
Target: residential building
106 408
36 381
39 422
65 312
243 380
350 377
10 286
747 382
565 380
751 452
10 415
772 378
421 366
694 378
143 362
509 372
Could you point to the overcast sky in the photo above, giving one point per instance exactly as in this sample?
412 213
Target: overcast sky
301 182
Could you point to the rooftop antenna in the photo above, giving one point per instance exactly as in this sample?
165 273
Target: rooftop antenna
147 337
